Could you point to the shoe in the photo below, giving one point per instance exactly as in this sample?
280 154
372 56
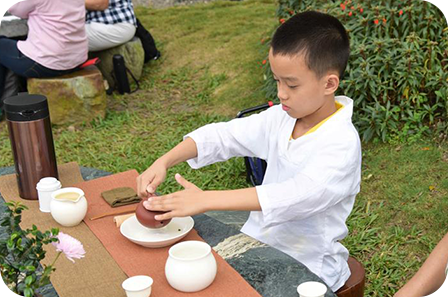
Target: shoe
157 56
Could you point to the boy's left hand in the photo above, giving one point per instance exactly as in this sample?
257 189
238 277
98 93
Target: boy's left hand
188 202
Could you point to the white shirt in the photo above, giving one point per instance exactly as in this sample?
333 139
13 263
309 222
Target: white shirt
309 187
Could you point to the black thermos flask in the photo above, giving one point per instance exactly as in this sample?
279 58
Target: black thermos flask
29 127
120 74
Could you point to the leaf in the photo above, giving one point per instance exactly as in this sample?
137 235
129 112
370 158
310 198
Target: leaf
29 280
28 292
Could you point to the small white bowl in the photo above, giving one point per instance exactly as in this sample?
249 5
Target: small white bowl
312 289
138 286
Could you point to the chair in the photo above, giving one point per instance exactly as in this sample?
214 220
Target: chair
255 167
354 286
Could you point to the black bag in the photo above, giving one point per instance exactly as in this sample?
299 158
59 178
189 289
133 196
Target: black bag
119 74
149 46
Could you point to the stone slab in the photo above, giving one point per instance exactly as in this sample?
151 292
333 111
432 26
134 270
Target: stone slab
15 28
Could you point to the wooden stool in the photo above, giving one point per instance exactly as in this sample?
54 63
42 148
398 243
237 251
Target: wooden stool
354 286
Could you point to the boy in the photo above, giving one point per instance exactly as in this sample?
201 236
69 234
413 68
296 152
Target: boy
311 147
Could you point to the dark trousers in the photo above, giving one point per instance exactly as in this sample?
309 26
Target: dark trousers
11 58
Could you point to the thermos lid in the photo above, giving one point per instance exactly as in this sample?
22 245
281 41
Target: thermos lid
26 107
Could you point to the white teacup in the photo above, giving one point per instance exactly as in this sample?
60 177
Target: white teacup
312 289
191 266
138 286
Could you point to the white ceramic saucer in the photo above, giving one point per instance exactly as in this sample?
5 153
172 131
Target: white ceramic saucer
177 229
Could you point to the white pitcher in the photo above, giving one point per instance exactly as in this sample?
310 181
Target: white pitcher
68 206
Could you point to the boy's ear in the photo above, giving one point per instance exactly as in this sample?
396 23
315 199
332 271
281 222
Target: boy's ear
331 83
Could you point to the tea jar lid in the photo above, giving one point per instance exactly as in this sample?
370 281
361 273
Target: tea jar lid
26 107
48 184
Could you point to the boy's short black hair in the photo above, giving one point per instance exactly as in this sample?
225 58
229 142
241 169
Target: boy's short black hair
321 37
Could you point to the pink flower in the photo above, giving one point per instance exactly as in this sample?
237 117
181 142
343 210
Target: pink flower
71 247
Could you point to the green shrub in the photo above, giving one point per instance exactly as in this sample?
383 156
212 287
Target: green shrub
398 69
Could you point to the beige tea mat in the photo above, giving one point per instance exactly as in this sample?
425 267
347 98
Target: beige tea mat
97 274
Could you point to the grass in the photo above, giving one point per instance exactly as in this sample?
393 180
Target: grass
209 70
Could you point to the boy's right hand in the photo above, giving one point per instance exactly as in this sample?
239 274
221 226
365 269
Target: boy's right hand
148 181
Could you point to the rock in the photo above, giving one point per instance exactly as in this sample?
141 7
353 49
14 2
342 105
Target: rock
133 55
73 98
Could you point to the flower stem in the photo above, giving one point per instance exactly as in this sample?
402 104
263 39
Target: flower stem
48 271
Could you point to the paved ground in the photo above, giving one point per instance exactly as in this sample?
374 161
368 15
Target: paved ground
155 3
167 3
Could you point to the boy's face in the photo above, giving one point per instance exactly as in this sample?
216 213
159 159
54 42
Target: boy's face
300 92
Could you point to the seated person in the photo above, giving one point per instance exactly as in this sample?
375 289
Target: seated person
56 42
109 23
430 277
312 149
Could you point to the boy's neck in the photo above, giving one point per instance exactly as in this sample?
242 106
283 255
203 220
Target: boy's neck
306 123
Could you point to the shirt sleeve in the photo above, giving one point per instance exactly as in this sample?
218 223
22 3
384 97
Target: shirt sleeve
237 138
23 8
329 177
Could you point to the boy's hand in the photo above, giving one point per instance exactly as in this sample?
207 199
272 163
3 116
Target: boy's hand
148 181
179 204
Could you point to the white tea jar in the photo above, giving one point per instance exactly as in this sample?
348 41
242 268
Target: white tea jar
191 266
45 187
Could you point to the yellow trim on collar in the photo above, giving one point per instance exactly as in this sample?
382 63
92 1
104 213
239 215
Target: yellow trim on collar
339 106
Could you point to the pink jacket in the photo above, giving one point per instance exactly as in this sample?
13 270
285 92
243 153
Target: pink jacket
56 37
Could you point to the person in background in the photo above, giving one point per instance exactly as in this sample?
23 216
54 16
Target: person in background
312 150
56 43
430 277
109 23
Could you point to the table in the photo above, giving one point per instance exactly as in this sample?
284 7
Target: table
271 272
13 27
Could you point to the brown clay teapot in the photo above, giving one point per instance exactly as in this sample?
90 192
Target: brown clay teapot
146 217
